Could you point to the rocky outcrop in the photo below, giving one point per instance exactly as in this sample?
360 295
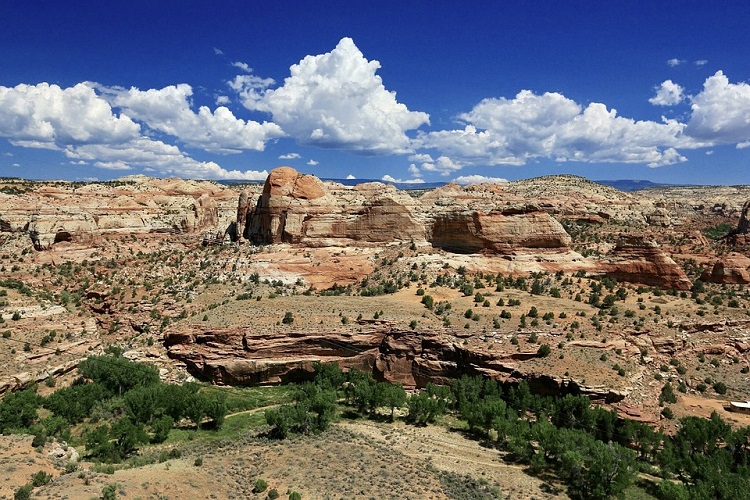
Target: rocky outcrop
57 212
636 259
244 211
500 232
297 208
242 357
732 269
743 225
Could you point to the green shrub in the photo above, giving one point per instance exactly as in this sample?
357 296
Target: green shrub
24 492
543 351
667 394
288 318
260 485
109 492
40 479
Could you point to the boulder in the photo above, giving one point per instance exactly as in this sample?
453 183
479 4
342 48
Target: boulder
732 269
637 259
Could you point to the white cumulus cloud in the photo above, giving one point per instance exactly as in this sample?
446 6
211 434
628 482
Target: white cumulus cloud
721 112
168 110
667 94
48 116
157 156
502 131
243 66
290 156
85 127
350 177
465 180
389 178
336 100
675 62
312 163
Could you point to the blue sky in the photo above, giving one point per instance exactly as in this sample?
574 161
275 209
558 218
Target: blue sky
409 91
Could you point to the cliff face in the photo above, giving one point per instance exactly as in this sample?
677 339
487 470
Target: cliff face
57 212
639 260
242 357
297 208
500 232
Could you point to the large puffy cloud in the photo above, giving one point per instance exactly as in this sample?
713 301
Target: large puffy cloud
335 100
155 156
83 124
721 112
667 94
48 116
389 178
465 180
513 131
443 165
168 110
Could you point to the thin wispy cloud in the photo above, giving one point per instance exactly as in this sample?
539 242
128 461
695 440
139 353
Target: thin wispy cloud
243 66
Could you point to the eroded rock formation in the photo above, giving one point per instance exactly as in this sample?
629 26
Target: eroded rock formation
731 269
637 259
298 208
60 212
500 231
241 357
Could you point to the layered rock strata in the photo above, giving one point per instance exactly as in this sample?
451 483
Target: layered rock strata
301 209
637 259
241 357
59 212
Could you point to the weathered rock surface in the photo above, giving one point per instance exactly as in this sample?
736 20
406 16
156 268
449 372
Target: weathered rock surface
732 269
297 208
501 232
517 220
241 357
58 212
637 259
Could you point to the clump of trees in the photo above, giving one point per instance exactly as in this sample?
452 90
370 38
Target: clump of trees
593 451
126 399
